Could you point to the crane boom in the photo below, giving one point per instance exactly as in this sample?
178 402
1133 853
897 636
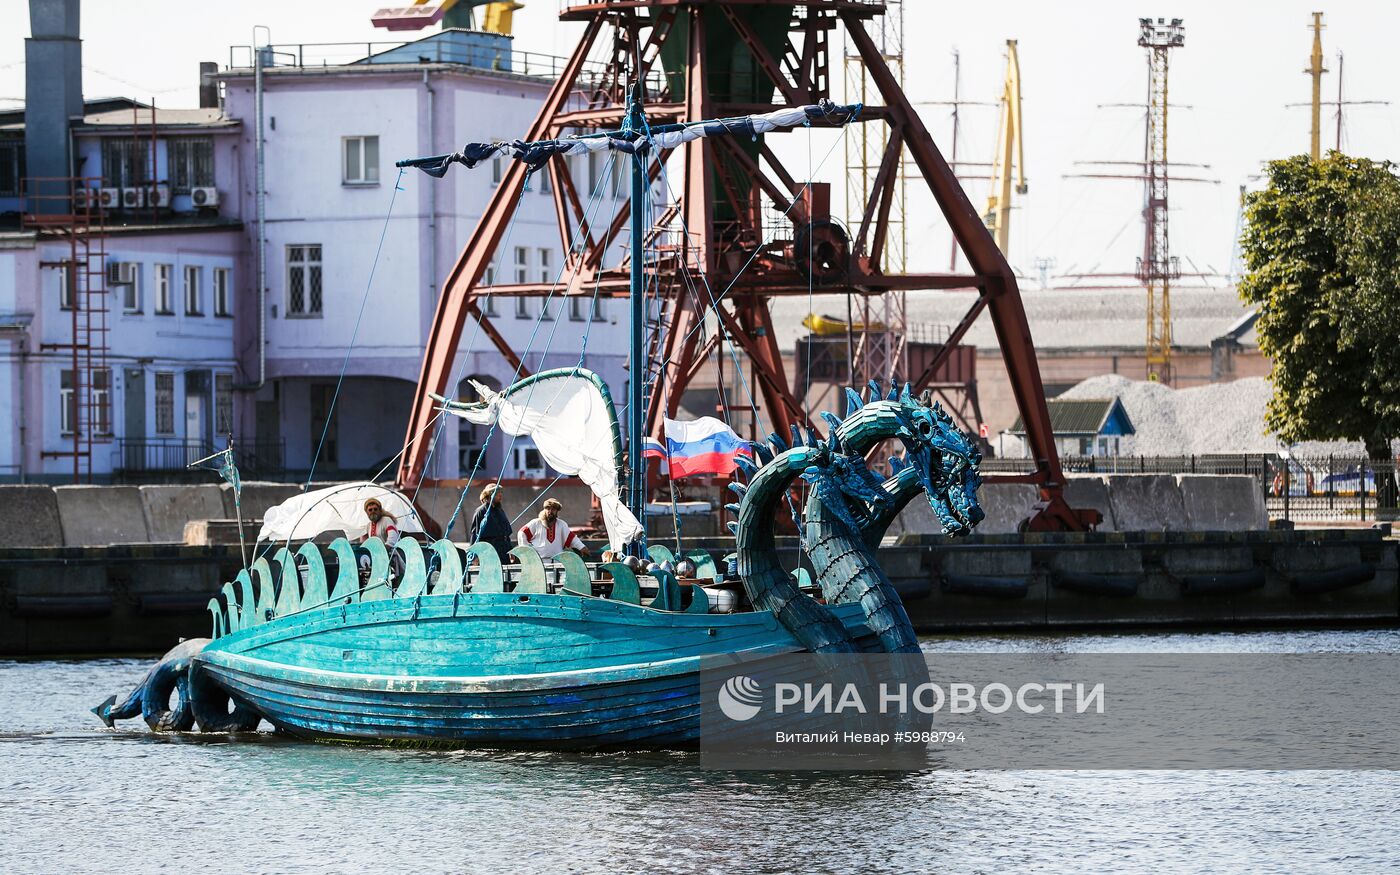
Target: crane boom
1010 155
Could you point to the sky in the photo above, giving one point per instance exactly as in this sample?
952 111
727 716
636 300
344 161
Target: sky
1242 63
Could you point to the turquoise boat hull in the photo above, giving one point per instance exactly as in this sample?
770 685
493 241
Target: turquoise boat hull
490 669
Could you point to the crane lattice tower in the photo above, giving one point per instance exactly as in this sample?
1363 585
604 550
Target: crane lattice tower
1157 268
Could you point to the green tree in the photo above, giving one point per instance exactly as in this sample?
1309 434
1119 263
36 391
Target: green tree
1321 247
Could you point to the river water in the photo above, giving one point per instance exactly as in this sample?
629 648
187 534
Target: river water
76 797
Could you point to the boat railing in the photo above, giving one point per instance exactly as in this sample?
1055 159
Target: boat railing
285 582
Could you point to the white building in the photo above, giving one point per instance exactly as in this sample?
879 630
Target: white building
332 134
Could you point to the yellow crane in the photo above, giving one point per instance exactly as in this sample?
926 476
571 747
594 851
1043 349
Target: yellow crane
1010 145
496 17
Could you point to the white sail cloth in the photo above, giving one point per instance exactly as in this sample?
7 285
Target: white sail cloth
335 508
571 424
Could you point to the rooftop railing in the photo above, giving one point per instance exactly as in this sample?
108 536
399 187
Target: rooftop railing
491 53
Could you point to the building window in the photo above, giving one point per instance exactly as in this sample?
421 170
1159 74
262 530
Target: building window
67 403
223 295
165 403
191 163
546 187
68 400
102 401
547 279
361 161
126 162
576 308
11 167
488 302
304 280
65 285
194 292
529 461
223 404
497 170
598 308
126 277
165 306
522 276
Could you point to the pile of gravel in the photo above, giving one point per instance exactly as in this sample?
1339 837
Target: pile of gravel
1218 418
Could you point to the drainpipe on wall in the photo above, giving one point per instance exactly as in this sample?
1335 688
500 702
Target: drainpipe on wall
260 53
432 200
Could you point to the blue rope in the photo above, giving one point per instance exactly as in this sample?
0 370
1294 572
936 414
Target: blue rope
359 317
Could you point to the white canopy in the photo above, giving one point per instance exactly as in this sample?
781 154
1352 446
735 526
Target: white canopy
572 425
335 508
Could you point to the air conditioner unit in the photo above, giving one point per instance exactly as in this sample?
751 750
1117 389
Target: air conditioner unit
133 198
109 198
86 199
204 196
121 273
158 196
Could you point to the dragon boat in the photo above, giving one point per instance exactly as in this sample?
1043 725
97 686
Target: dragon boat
440 643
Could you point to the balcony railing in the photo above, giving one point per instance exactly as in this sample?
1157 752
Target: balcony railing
149 455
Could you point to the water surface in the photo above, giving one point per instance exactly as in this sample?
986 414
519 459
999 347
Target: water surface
77 797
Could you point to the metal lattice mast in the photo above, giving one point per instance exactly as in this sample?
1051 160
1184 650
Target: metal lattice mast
1315 71
880 353
1156 267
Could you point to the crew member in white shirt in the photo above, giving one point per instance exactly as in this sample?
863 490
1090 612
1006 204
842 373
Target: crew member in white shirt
548 534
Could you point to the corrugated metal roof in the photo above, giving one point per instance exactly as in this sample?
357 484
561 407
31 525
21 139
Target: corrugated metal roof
1080 417
141 118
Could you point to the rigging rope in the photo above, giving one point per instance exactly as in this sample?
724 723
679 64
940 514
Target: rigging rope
462 365
359 317
574 246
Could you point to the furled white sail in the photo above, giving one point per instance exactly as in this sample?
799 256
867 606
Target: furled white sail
574 426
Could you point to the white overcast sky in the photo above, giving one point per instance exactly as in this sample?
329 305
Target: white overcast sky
1241 64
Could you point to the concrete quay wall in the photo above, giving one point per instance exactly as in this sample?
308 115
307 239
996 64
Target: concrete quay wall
145 598
1128 502
98 516
1218 579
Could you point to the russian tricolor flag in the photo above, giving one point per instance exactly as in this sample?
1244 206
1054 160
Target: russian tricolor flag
699 446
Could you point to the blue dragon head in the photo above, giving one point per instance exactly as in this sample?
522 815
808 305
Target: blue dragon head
945 459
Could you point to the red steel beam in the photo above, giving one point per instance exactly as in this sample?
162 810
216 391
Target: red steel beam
456 302
1000 290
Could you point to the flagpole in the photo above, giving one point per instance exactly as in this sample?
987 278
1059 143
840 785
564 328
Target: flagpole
636 415
242 543
238 503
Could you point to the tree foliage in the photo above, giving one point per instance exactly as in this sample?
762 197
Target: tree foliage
1321 247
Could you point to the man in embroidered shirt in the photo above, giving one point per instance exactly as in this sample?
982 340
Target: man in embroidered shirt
550 535
382 525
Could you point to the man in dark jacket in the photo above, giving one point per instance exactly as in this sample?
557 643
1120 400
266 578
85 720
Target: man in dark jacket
489 523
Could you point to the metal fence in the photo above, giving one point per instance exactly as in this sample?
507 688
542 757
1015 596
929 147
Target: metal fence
1297 488
263 459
